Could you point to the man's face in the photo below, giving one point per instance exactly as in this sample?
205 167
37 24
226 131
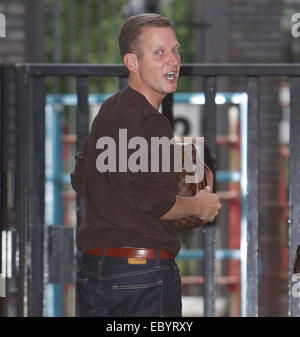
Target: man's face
159 60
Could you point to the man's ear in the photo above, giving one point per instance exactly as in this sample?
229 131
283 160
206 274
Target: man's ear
131 62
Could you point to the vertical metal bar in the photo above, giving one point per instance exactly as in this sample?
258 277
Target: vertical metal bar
243 191
249 233
1 131
209 231
53 163
22 183
82 120
294 187
2 309
82 116
36 178
9 174
167 108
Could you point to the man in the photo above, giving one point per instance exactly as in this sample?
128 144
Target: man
128 237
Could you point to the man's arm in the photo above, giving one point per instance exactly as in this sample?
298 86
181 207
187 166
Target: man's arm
77 176
151 192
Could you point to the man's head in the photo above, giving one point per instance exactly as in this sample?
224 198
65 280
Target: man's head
150 52
131 33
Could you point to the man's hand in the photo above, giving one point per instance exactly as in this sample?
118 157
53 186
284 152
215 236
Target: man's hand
207 204
204 204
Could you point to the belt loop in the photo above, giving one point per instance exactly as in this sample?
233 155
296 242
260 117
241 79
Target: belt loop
101 263
157 257
103 255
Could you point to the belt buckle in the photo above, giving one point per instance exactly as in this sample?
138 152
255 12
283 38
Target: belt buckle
137 260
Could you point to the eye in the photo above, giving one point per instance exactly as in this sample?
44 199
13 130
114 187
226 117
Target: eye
159 52
176 51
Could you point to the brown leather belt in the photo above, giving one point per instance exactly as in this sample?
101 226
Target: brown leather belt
130 252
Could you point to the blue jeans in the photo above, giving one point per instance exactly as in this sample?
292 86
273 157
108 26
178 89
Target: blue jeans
110 287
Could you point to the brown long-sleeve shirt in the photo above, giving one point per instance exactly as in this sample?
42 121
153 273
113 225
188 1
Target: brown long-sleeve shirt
123 209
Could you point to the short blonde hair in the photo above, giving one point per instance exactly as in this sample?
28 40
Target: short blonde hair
129 37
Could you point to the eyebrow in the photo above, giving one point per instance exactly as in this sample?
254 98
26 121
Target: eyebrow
162 46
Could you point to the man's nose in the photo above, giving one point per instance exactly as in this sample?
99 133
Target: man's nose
173 58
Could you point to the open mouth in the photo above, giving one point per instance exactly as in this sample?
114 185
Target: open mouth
171 76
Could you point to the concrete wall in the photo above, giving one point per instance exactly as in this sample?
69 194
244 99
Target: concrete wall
24 41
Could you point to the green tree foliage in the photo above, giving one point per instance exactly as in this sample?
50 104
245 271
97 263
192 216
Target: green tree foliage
87 32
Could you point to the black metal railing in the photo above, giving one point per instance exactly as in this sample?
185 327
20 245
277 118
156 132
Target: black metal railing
30 98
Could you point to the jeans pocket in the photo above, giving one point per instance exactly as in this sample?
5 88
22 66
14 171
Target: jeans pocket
176 272
86 294
173 300
139 300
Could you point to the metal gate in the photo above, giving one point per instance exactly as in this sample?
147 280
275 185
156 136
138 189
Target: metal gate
27 240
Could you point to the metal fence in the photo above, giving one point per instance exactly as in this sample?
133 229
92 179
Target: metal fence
30 236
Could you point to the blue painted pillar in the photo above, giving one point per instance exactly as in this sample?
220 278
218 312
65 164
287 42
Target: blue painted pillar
53 201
